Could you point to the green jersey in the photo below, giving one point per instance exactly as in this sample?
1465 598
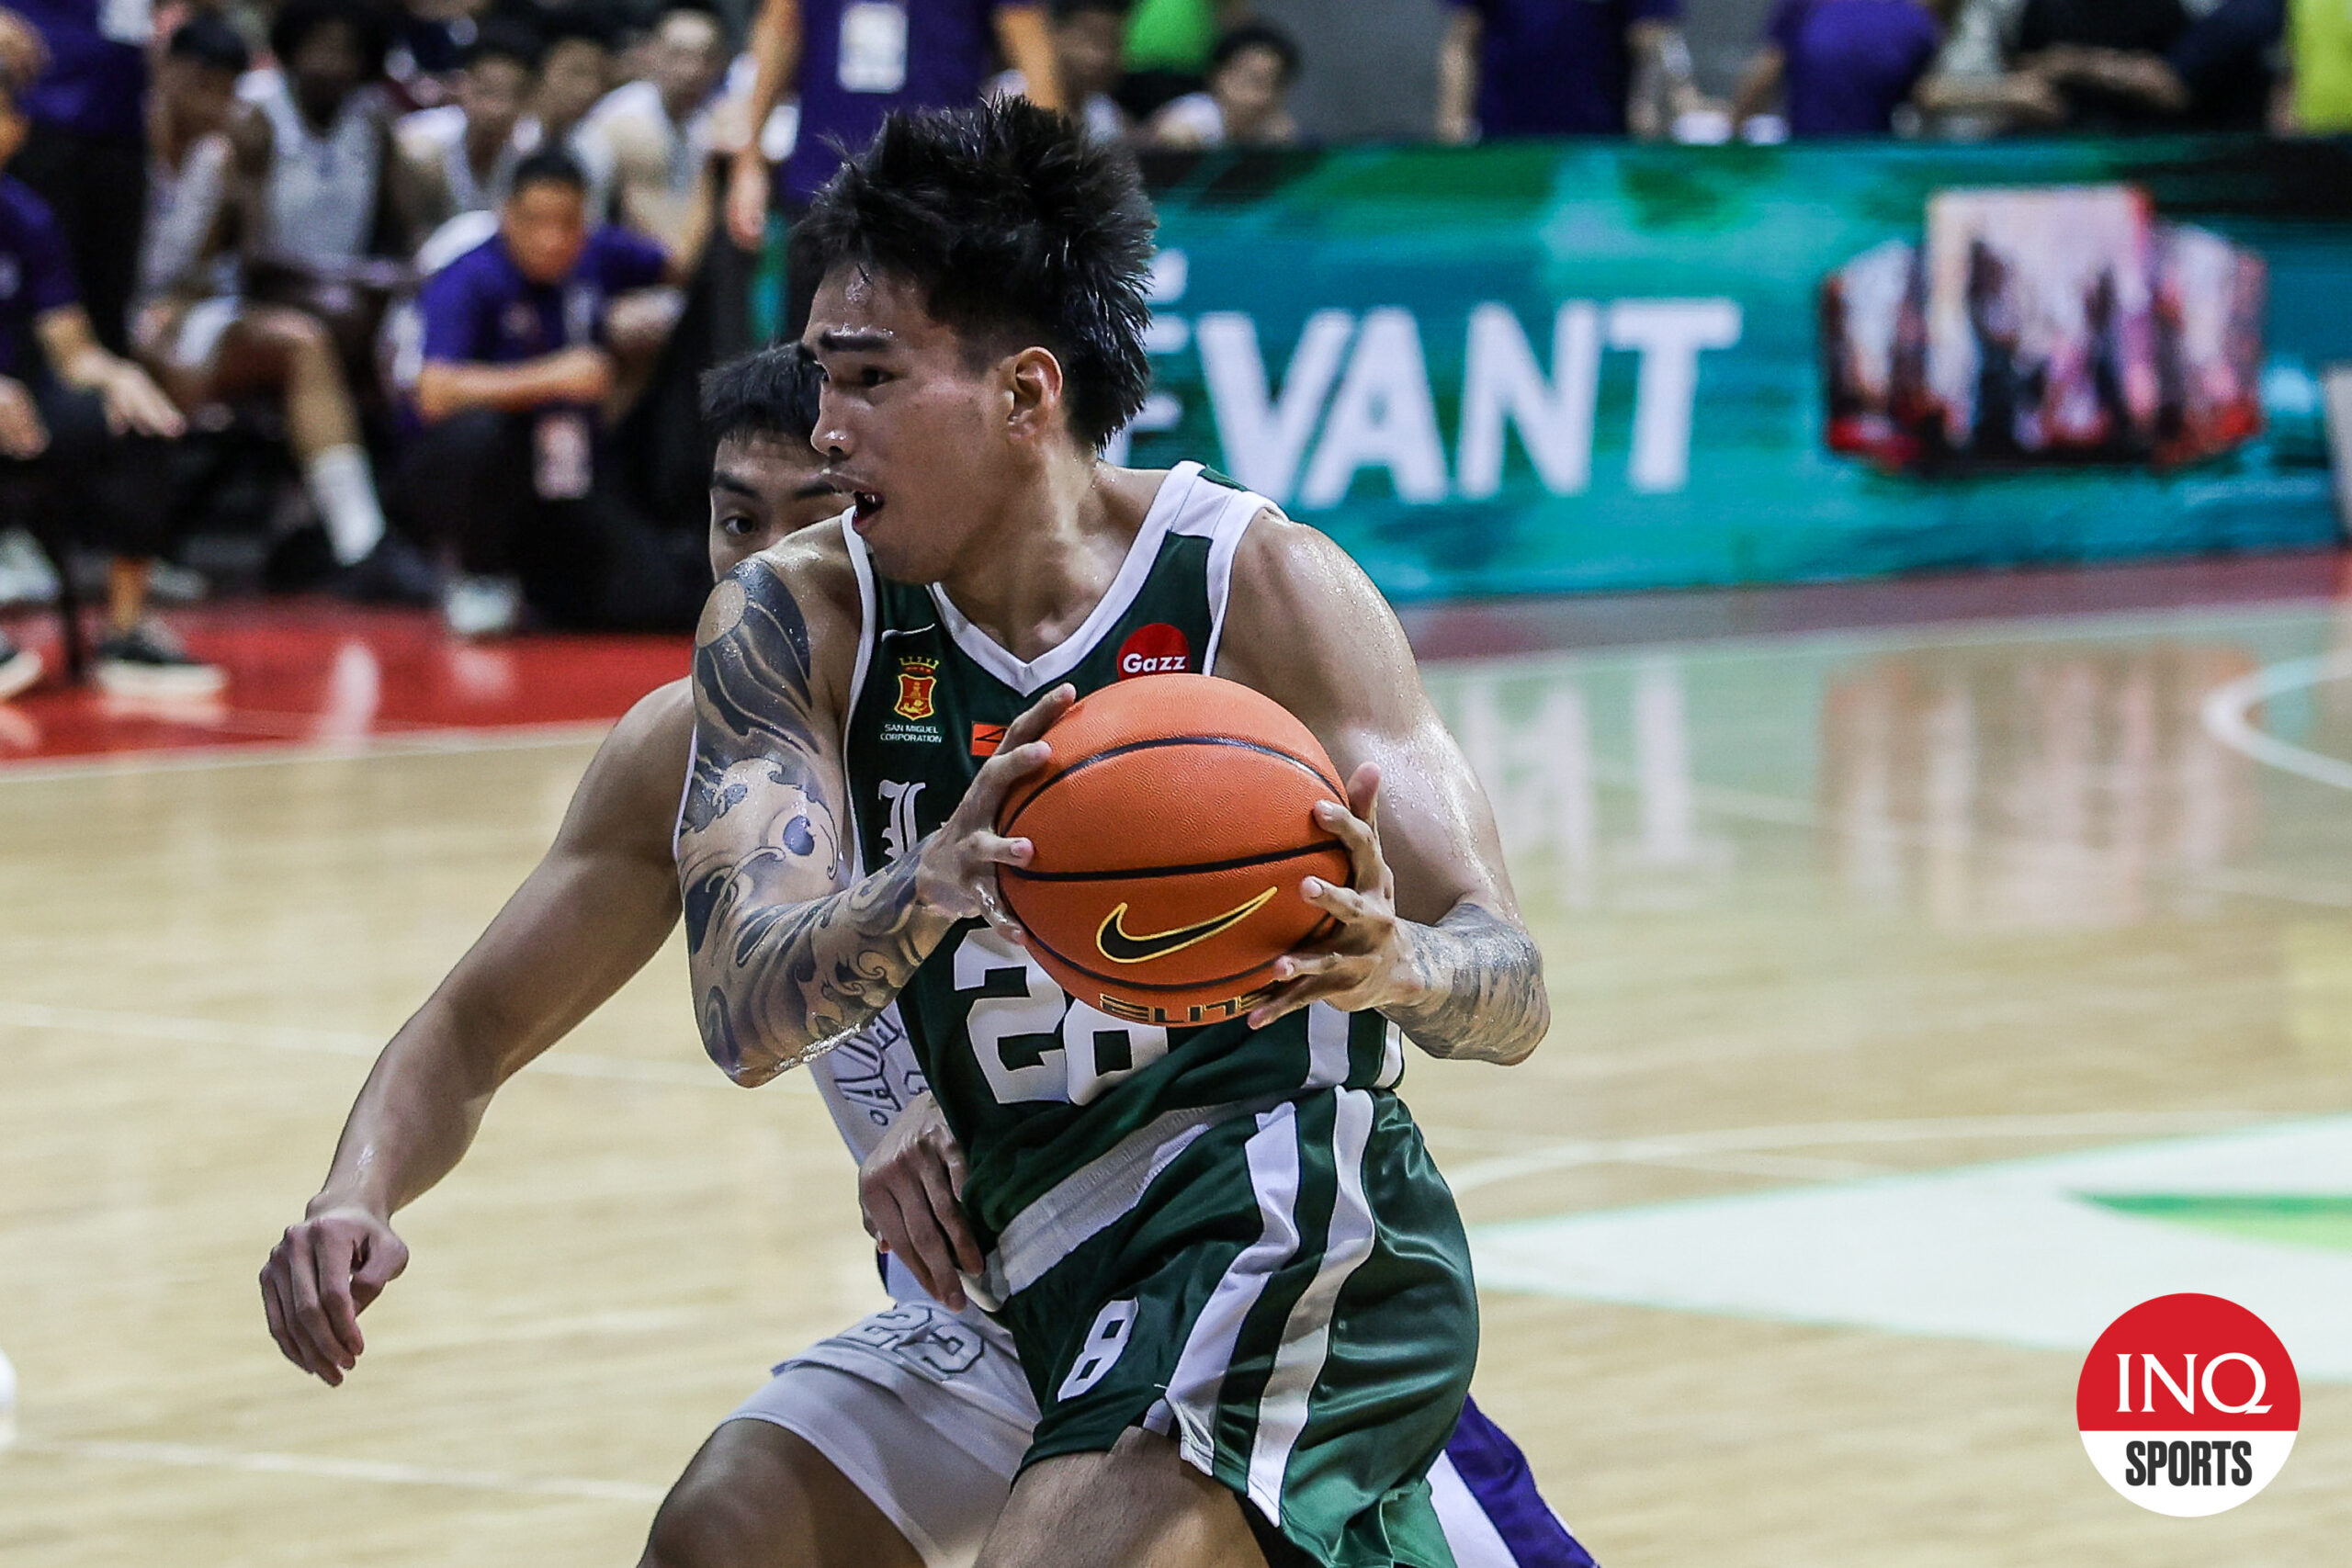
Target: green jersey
1036 1084
1231 1237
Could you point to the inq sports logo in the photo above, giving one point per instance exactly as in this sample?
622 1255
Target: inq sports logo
2188 1405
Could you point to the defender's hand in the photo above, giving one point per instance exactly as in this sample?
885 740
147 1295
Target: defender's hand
1367 963
317 1280
910 1188
956 873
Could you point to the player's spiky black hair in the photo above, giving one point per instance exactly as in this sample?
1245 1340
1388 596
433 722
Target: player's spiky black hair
1015 227
770 391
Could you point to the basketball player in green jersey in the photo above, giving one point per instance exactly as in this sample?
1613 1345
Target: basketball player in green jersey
1240 1292
891 1444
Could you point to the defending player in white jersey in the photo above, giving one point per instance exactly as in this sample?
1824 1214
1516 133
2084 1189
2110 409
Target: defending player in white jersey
890 1445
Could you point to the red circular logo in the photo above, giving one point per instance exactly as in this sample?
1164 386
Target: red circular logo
2188 1405
1156 649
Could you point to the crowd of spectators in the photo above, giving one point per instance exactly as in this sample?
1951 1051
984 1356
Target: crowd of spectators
454 265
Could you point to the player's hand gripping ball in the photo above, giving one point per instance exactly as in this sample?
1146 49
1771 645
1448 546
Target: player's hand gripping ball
1172 828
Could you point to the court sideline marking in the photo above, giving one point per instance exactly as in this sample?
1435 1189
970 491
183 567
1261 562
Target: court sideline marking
1736 1150
203 1457
1704 1150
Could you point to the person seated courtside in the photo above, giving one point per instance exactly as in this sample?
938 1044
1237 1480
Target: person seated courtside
509 474
463 152
207 343
80 429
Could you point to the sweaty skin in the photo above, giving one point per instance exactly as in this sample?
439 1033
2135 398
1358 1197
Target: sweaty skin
965 476
967 473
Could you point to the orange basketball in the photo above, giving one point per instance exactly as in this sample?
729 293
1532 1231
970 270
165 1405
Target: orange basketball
1172 827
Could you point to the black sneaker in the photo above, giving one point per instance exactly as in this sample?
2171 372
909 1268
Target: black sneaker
394 572
19 667
147 661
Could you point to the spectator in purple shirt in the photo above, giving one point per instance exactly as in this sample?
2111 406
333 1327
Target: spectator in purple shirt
82 425
1562 68
88 154
1845 65
518 365
850 62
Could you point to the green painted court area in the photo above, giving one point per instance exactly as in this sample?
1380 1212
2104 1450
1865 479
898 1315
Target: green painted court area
2286 1219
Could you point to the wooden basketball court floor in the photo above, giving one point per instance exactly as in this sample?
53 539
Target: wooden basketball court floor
1861 907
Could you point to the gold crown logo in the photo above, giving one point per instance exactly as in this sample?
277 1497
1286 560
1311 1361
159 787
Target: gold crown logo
918 664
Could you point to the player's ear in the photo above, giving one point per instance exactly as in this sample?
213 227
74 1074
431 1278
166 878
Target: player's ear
1037 384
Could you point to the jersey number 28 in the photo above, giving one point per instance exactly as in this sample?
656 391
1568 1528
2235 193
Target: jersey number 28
1042 1044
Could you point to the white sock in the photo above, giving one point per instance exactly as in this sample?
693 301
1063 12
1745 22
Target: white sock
345 492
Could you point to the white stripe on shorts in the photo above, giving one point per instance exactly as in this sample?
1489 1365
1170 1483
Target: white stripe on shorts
1326 1046
1306 1336
1476 1543
1198 1381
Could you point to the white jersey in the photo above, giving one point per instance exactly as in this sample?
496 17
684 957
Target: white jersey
686 147
438 137
319 203
175 254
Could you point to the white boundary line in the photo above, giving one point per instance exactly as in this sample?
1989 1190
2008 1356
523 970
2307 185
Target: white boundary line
2229 709
1708 1151
199 1457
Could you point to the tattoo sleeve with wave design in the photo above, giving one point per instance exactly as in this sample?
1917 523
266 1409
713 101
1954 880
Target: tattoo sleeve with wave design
788 956
1483 985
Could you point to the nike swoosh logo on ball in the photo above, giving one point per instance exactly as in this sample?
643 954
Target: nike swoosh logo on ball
1120 947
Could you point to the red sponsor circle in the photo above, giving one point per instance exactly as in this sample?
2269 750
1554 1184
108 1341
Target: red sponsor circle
2189 1404
2227 1344
1154 649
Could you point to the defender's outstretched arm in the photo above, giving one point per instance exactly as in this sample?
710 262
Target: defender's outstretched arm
1430 931
589 916
789 952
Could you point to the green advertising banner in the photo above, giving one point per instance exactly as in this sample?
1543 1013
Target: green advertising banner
1573 367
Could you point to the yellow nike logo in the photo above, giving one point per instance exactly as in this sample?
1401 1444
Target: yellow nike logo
1120 946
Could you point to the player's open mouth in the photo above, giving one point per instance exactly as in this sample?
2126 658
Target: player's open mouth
867 505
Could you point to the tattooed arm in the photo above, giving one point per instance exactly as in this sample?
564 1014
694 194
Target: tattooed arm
1428 929
788 953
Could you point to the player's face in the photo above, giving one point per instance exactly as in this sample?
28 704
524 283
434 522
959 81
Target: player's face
546 228
914 427
763 488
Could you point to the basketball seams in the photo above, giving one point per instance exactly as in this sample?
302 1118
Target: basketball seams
1137 874
1159 742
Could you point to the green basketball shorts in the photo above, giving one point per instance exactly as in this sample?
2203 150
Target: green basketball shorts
1285 1293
